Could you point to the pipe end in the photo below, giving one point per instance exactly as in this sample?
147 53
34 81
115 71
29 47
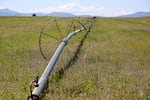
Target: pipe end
33 97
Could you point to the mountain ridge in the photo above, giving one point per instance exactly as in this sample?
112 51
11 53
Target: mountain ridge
137 14
8 12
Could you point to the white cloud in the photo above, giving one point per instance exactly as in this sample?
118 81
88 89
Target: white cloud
74 8
1 7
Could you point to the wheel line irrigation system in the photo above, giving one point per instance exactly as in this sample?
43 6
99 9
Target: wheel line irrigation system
40 84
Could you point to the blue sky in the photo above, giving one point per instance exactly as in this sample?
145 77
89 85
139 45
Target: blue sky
92 7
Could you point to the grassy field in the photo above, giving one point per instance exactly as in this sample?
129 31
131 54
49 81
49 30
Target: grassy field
113 64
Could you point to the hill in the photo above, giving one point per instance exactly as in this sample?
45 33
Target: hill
7 12
137 14
60 14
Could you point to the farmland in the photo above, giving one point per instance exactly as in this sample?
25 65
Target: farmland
113 64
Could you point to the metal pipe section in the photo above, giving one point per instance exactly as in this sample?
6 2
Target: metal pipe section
44 78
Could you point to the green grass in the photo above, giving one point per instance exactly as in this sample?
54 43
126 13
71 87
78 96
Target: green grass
113 63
